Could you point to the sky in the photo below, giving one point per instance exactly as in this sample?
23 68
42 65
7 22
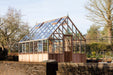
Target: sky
36 11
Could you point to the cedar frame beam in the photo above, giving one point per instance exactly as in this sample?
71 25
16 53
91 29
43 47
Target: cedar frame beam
58 26
72 30
76 28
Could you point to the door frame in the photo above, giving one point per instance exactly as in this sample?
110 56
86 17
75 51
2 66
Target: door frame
71 52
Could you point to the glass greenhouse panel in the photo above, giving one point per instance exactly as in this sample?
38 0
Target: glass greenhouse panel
32 31
43 30
23 48
40 46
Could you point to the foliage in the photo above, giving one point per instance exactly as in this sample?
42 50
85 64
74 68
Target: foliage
93 54
97 47
94 49
93 34
12 28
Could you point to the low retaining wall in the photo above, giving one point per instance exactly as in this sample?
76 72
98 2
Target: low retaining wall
85 69
51 68
24 68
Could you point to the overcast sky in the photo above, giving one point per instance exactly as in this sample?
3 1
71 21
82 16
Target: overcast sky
36 11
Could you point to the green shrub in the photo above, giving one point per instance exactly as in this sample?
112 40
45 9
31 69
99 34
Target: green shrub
94 49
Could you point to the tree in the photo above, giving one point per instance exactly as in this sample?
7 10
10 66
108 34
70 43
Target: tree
12 28
93 34
100 12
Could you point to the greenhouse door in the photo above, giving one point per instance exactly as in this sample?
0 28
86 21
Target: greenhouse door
67 48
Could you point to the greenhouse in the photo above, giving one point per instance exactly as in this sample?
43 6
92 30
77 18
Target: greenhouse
58 39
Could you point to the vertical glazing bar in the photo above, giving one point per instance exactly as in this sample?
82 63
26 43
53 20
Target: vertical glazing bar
76 42
72 47
48 46
67 22
42 46
25 47
62 43
63 39
53 44
85 46
59 50
80 47
22 48
37 46
73 38
29 47
59 45
42 49
72 28
33 47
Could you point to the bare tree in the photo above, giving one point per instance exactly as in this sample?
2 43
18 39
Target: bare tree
100 12
12 28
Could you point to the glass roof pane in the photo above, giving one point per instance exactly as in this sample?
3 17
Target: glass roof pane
27 37
43 31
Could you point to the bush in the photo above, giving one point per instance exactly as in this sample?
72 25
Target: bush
94 49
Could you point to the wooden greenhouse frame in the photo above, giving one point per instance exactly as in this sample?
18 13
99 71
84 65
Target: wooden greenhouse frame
57 39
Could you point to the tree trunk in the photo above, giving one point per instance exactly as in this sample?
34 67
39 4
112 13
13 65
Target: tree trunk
2 47
109 22
110 34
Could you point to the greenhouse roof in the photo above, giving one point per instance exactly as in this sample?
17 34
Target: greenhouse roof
43 30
